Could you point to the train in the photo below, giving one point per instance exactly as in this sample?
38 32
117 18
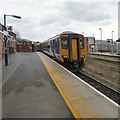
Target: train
68 48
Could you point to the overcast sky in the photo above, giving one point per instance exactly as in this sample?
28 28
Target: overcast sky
42 19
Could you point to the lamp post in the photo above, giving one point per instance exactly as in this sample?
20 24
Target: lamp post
6 37
112 41
101 37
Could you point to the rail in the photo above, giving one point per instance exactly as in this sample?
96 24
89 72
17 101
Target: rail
108 57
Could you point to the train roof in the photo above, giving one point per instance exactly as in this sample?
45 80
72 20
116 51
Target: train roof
68 32
63 33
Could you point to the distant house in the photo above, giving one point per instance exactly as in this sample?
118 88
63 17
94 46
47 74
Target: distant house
24 45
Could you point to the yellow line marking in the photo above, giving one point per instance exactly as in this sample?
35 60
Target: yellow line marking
77 117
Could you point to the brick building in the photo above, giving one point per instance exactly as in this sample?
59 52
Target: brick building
24 45
11 41
1 43
1 39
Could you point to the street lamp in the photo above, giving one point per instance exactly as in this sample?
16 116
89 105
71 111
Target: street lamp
112 41
101 37
5 36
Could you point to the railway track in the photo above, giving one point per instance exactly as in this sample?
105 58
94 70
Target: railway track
106 90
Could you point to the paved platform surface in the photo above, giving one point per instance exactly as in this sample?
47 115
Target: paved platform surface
28 90
83 101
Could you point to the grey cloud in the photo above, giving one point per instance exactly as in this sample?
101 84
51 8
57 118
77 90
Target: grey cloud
87 12
43 20
103 23
48 20
79 12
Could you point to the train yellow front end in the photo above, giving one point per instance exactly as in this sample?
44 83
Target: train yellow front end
72 51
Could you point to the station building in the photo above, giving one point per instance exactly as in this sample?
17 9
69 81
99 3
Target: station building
118 46
106 46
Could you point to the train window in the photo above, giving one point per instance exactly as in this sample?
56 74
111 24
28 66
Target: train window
64 44
55 44
81 43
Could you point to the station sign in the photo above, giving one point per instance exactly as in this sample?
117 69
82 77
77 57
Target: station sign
10 28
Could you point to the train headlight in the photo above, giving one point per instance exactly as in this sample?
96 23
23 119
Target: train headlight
64 56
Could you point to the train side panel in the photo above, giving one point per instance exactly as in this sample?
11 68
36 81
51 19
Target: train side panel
46 48
57 48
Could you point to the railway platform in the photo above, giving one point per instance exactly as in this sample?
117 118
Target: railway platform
34 86
28 91
83 100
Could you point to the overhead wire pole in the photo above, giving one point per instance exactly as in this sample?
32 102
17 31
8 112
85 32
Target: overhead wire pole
6 37
112 41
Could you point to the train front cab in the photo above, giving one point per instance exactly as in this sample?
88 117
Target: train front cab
70 50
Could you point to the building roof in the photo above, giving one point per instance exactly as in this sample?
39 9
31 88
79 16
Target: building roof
24 40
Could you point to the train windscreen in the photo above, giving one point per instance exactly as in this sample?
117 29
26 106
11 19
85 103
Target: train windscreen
81 42
64 43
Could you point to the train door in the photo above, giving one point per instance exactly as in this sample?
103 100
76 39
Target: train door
74 49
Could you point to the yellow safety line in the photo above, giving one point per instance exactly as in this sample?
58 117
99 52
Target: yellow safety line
77 117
